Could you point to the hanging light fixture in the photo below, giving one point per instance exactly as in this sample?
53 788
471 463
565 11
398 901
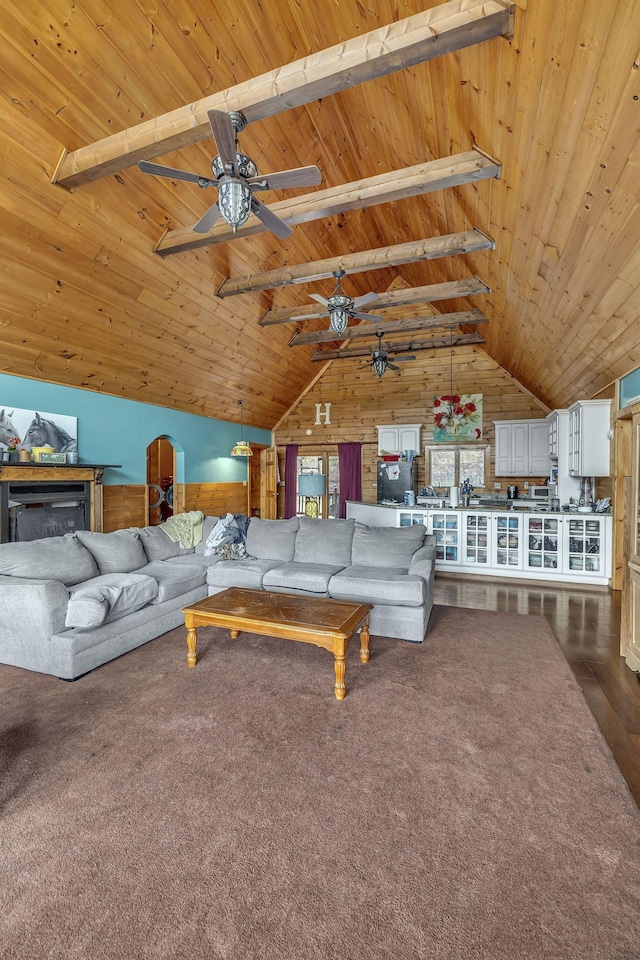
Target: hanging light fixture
242 448
339 307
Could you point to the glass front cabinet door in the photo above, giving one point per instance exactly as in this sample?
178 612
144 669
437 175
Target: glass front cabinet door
584 546
542 543
476 539
445 526
507 543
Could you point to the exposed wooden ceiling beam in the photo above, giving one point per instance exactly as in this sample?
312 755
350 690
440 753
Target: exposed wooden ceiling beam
404 346
467 167
393 256
424 36
369 330
395 298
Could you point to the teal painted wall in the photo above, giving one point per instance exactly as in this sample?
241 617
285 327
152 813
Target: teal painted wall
113 430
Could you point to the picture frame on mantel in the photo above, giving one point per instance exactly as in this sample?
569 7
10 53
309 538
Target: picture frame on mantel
457 418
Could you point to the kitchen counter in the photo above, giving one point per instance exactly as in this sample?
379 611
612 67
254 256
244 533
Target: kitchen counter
526 507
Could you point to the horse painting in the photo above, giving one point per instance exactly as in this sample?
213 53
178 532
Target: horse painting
7 429
47 433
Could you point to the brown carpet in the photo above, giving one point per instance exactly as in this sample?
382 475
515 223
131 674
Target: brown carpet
460 803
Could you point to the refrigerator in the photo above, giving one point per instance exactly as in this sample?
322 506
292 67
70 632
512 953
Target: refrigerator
395 478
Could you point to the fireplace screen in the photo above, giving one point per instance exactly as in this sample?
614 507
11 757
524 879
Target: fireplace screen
35 510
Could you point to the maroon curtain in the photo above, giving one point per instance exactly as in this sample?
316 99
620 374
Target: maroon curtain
290 480
350 466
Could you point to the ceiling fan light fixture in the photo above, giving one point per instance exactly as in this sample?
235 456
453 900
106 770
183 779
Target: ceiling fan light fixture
338 313
379 365
234 201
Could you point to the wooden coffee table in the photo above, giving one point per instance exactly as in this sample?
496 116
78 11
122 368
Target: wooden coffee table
321 621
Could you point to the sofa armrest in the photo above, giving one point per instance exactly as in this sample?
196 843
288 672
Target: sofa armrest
423 561
31 612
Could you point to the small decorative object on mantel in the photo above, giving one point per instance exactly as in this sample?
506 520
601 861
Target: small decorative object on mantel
24 456
53 458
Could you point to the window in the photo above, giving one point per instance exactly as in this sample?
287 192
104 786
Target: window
327 464
448 466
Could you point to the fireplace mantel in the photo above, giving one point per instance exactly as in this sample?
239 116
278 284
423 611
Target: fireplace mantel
91 473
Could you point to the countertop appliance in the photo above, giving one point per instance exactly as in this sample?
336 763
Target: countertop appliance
542 491
512 492
395 479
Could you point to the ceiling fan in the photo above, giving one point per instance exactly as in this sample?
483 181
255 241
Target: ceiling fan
236 179
380 359
341 307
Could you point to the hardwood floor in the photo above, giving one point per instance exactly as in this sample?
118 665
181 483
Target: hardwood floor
586 624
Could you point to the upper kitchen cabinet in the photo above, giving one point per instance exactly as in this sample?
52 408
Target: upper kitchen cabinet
589 425
522 448
397 437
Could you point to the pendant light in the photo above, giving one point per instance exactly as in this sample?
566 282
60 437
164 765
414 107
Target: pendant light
242 448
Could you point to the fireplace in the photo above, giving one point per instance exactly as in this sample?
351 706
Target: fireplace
30 510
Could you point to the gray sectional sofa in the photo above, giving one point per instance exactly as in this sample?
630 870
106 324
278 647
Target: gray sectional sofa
71 603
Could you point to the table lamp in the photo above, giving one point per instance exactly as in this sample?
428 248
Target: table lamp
311 486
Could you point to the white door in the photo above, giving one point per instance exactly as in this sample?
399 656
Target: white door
539 462
520 449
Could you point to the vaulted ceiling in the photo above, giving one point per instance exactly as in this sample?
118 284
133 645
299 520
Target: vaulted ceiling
85 301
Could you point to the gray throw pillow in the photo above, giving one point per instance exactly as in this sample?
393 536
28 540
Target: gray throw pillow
157 545
52 558
386 546
324 541
117 552
272 539
207 526
109 598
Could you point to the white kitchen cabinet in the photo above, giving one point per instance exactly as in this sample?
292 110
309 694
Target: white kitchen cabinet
396 437
477 539
543 542
522 448
445 525
507 540
586 546
589 424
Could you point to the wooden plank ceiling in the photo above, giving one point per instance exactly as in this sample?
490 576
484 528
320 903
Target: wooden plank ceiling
85 301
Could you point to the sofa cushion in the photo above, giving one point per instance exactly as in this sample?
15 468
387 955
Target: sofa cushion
207 526
157 545
381 585
53 558
307 577
324 541
198 558
239 573
272 539
174 579
107 598
117 552
386 546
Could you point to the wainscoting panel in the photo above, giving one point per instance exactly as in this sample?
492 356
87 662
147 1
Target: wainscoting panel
215 499
124 506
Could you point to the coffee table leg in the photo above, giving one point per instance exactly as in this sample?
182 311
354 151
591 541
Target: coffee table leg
234 634
192 639
364 642
340 666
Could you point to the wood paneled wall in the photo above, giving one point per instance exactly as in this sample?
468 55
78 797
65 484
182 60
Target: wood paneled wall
126 506
359 401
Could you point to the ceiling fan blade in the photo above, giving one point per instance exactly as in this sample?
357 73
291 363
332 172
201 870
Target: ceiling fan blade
205 222
224 136
271 222
391 366
298 177
402 359
157 169
365 298
365 316
319 299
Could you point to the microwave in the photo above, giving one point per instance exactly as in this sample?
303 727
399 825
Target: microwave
542 492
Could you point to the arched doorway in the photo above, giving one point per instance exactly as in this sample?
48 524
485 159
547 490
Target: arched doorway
161 471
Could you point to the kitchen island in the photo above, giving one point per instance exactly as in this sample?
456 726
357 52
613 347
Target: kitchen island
509 541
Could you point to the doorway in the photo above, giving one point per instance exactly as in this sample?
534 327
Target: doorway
160 480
